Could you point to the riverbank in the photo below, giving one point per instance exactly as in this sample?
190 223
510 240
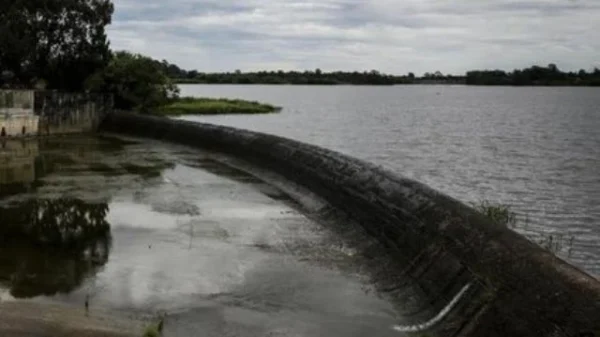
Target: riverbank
214 106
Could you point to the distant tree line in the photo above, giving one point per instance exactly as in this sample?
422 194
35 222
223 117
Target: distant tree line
317 76
535 75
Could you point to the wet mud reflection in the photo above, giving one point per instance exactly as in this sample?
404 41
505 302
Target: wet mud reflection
52 235
51 246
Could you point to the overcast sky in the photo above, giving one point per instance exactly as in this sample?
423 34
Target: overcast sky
393 36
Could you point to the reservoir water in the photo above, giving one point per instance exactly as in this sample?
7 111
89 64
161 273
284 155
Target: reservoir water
536 149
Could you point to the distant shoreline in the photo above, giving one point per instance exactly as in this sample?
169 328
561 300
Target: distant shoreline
532 76
398 84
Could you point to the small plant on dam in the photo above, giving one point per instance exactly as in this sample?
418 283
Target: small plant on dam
155 329
498 213
503 215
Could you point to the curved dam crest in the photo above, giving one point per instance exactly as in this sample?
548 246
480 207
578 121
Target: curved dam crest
516 287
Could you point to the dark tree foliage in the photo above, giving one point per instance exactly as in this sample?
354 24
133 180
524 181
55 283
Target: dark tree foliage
372 77
137 82
295 77
60 42
317 76
535 75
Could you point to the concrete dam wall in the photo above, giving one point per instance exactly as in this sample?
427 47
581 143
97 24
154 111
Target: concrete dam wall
481 278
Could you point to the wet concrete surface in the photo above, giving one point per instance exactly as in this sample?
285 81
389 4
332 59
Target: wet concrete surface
32 319
146 228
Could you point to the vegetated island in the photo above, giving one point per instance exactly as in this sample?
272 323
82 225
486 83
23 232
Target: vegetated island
214 106
139 83
533 76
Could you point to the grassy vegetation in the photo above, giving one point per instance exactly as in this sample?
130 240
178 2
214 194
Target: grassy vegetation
151 331
155 329
214 106
502 214
498 213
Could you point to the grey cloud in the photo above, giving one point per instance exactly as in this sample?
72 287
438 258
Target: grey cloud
390 35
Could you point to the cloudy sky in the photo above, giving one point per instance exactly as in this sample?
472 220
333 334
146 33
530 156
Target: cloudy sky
393 36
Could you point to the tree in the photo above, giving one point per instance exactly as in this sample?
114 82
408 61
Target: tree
192 74
137 82
59 41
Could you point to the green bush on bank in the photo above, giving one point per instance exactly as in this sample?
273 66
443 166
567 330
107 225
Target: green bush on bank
135 81
138 83
213 106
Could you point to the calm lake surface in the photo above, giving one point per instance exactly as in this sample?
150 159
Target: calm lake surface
535 149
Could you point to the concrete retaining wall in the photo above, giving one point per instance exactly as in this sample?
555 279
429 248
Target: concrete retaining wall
16 101
29 112
518 289
63 113
16 113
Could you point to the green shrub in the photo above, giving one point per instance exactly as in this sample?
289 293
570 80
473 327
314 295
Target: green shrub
497 212
151 331
503 215
136 81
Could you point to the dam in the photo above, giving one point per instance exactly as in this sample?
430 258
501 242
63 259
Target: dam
232 232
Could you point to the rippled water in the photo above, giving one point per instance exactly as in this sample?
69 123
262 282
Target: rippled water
536 149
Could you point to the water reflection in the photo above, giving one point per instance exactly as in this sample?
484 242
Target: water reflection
25 163
51 246
17 166
54 195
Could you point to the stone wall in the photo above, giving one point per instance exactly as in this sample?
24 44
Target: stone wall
16 101
510 286
28 112
63 113
16 113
